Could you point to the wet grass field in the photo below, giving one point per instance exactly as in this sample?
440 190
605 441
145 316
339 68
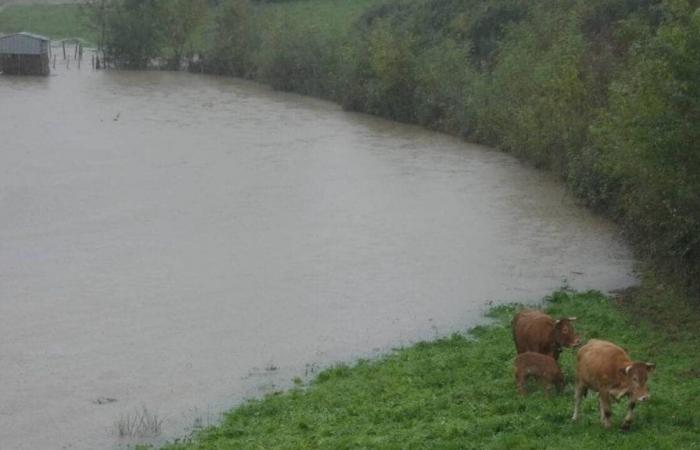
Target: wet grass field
56 21
459 393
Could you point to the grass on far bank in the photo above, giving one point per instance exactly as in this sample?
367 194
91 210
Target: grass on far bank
338 15
59 21
459 393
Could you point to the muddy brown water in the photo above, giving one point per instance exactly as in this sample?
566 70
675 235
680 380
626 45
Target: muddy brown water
183 242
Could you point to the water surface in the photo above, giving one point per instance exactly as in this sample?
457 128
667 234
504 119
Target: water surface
181 242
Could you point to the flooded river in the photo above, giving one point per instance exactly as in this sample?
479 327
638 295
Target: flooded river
183 242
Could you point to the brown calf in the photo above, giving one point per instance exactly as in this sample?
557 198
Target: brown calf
605 368
537 365
535 331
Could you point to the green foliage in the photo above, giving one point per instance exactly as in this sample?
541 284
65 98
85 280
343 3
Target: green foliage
297 59
459 392
648 140
537 100
134 33
230 50
182 19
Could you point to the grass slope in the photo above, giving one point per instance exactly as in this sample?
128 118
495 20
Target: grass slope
459 393
332 16
54 21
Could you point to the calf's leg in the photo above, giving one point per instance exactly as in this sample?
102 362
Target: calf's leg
605 412
628 418
579 391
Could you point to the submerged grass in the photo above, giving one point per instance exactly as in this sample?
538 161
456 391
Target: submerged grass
55 21
459 392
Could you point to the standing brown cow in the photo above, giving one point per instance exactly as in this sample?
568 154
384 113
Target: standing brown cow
535 331
604 367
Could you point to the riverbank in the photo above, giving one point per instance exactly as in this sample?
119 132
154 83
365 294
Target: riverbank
459 392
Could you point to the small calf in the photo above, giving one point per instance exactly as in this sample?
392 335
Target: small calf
537 365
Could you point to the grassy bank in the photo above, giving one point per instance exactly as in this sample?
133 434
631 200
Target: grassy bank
55 21
459 392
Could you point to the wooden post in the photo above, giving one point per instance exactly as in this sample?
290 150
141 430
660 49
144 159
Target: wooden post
93 61
54 61
63 43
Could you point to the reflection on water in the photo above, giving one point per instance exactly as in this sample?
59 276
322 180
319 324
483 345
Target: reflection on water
182 242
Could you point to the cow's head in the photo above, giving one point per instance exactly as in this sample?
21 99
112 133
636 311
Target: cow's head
637 374
565 334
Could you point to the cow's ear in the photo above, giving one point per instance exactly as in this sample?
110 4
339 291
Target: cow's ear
651 367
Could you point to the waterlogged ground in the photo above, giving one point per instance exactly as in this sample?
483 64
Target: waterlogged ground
182 242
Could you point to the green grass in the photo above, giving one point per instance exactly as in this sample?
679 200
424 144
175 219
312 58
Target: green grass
54 21
333 16
459 393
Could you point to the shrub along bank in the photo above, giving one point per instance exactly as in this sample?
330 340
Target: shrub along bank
459 393
605 93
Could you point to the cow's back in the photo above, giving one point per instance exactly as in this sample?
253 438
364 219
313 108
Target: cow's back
599 363
533 331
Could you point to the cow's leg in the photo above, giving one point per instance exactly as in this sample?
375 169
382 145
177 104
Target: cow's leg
579 391
605 411
628 418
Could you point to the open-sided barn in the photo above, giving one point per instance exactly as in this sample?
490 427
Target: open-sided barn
24 54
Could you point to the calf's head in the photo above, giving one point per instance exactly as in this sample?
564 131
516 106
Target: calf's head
636 375
565 334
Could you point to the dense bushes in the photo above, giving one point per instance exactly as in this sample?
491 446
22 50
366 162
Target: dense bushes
135 33
648 140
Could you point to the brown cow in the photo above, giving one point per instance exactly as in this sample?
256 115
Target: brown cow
543 367
604 367
535 331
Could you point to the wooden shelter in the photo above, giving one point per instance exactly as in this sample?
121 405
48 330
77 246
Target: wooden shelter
24 54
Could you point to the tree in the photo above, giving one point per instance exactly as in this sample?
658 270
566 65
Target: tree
182 19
